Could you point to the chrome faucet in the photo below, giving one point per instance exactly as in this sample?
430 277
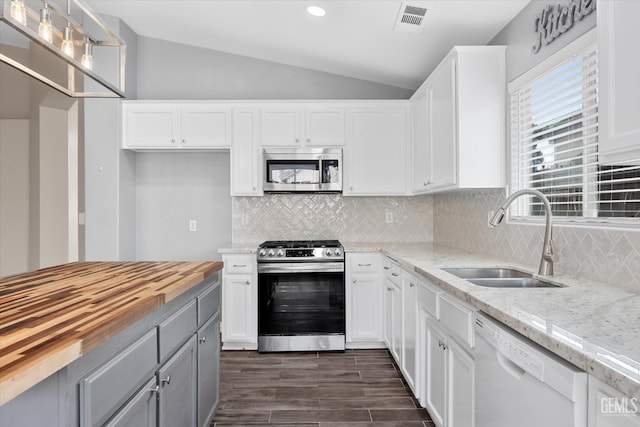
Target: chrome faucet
548 255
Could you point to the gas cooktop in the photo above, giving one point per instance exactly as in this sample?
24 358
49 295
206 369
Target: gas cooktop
300 250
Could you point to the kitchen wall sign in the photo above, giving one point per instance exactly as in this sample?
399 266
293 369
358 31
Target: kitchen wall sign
555 20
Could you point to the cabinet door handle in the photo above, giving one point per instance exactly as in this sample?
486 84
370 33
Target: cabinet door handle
155 390
240 265
395 274
167 380
184 141
389 289
364 265
173 141
308 139
247 282
387 268
202 340
411 284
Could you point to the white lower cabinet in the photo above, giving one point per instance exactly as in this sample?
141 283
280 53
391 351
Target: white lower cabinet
239 302
409 328
393 308
610 408
364 322
446 367
433 372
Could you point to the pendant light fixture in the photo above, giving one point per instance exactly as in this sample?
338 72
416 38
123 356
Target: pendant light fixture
54 36
45 29
18 11
87 56
68 46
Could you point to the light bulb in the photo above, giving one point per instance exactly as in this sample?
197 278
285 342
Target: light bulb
45 29
67 41
18 11
87 57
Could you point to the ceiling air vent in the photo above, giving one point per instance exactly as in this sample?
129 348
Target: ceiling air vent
410 18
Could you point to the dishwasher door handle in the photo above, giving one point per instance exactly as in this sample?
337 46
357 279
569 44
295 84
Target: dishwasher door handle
510 366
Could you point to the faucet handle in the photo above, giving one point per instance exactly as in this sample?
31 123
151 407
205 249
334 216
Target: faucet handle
549 253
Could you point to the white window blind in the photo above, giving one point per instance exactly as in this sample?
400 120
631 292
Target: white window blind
554 147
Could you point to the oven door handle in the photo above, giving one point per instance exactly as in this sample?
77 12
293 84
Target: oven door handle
302 267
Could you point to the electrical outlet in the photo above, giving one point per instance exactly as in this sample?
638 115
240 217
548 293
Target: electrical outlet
193 225
388 217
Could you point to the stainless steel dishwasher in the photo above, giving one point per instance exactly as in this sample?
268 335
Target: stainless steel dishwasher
518 383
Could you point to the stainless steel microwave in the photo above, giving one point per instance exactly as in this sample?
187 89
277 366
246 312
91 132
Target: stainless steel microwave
302 170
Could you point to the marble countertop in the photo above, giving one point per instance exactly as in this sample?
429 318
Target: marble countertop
594 326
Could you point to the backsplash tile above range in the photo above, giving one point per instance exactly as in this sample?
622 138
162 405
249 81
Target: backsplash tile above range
331 216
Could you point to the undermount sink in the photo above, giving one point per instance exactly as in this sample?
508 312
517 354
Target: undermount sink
499 277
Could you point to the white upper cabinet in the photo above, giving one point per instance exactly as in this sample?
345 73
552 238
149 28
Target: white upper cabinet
458 116
296 125
246 161
164 125
375 158
619 86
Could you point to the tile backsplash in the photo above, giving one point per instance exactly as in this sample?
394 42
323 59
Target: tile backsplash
331 216
609 255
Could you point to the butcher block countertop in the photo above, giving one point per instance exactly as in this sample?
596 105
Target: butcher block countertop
51 317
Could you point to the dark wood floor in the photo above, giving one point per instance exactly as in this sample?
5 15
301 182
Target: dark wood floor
326 389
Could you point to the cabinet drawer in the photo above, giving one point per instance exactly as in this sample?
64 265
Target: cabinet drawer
103 391
363 263
238 264
176 329
392 271
456 317
208 302
428 298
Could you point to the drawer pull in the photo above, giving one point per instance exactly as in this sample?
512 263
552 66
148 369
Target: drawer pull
355 280
203 340
247 282
387 268
395 274
166 381
411 284
364 265
240 265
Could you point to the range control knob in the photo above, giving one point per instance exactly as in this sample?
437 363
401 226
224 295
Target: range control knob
271 252
262 252
337 252
328 252
280 252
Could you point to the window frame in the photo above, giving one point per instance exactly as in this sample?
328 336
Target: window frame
564 55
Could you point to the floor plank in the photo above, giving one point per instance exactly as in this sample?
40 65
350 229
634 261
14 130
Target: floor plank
355 388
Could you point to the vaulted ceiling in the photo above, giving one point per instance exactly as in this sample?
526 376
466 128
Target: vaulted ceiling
355 38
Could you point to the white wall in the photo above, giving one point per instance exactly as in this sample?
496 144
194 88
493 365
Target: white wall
171 190
14 196
174 71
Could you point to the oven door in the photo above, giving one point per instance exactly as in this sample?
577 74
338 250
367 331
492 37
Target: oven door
301 306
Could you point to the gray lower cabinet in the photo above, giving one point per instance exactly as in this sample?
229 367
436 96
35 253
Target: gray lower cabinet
177 395
208 369
110 385
141 410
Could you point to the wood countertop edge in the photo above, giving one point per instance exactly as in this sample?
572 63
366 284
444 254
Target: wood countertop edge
22 377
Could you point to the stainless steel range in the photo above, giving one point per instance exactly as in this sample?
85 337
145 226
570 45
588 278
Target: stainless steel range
301 296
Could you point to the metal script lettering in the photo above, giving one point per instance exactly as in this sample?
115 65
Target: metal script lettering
556 19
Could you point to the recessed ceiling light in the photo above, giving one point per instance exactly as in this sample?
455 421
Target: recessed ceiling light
316 11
